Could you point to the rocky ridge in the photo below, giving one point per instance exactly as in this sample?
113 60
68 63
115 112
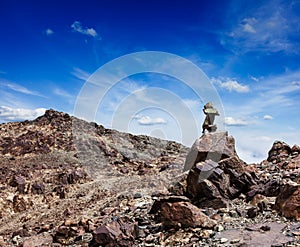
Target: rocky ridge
66 182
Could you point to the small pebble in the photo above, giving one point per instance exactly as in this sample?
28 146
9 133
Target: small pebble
223 240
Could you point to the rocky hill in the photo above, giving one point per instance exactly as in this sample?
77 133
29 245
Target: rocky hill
67 182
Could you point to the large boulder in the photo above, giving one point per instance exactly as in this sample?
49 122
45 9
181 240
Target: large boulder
216 173
214 146
279 151
184 214
288 201
207 185
175 211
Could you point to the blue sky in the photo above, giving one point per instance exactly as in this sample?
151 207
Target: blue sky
249 50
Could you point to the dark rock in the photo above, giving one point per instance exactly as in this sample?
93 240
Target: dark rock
137 195
38 188
19 182
265 228
253 212
295 149
288 201
271 188
116 233
124 170
206 192
61 191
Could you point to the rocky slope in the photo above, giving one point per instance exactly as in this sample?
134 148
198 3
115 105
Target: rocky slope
66 182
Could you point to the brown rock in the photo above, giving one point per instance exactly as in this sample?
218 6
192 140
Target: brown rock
296 149
19 204
2 242
210 186
278 151
184 214
233 163
19 182
217 174
214 146
288 201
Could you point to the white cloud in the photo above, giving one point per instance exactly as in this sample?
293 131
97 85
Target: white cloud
248 28
230 85
14 114
77 27
146 120
18 88
268 117
230 121
49 32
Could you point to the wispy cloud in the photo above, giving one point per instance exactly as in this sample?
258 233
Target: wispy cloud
230 85
77 27
254 78
274 94
62 93
270 28
80 74
147 120
49 32
18 88
18 114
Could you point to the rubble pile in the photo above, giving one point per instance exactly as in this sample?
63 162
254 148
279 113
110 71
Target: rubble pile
66 182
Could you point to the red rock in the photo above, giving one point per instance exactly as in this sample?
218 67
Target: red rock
185 214
288 201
